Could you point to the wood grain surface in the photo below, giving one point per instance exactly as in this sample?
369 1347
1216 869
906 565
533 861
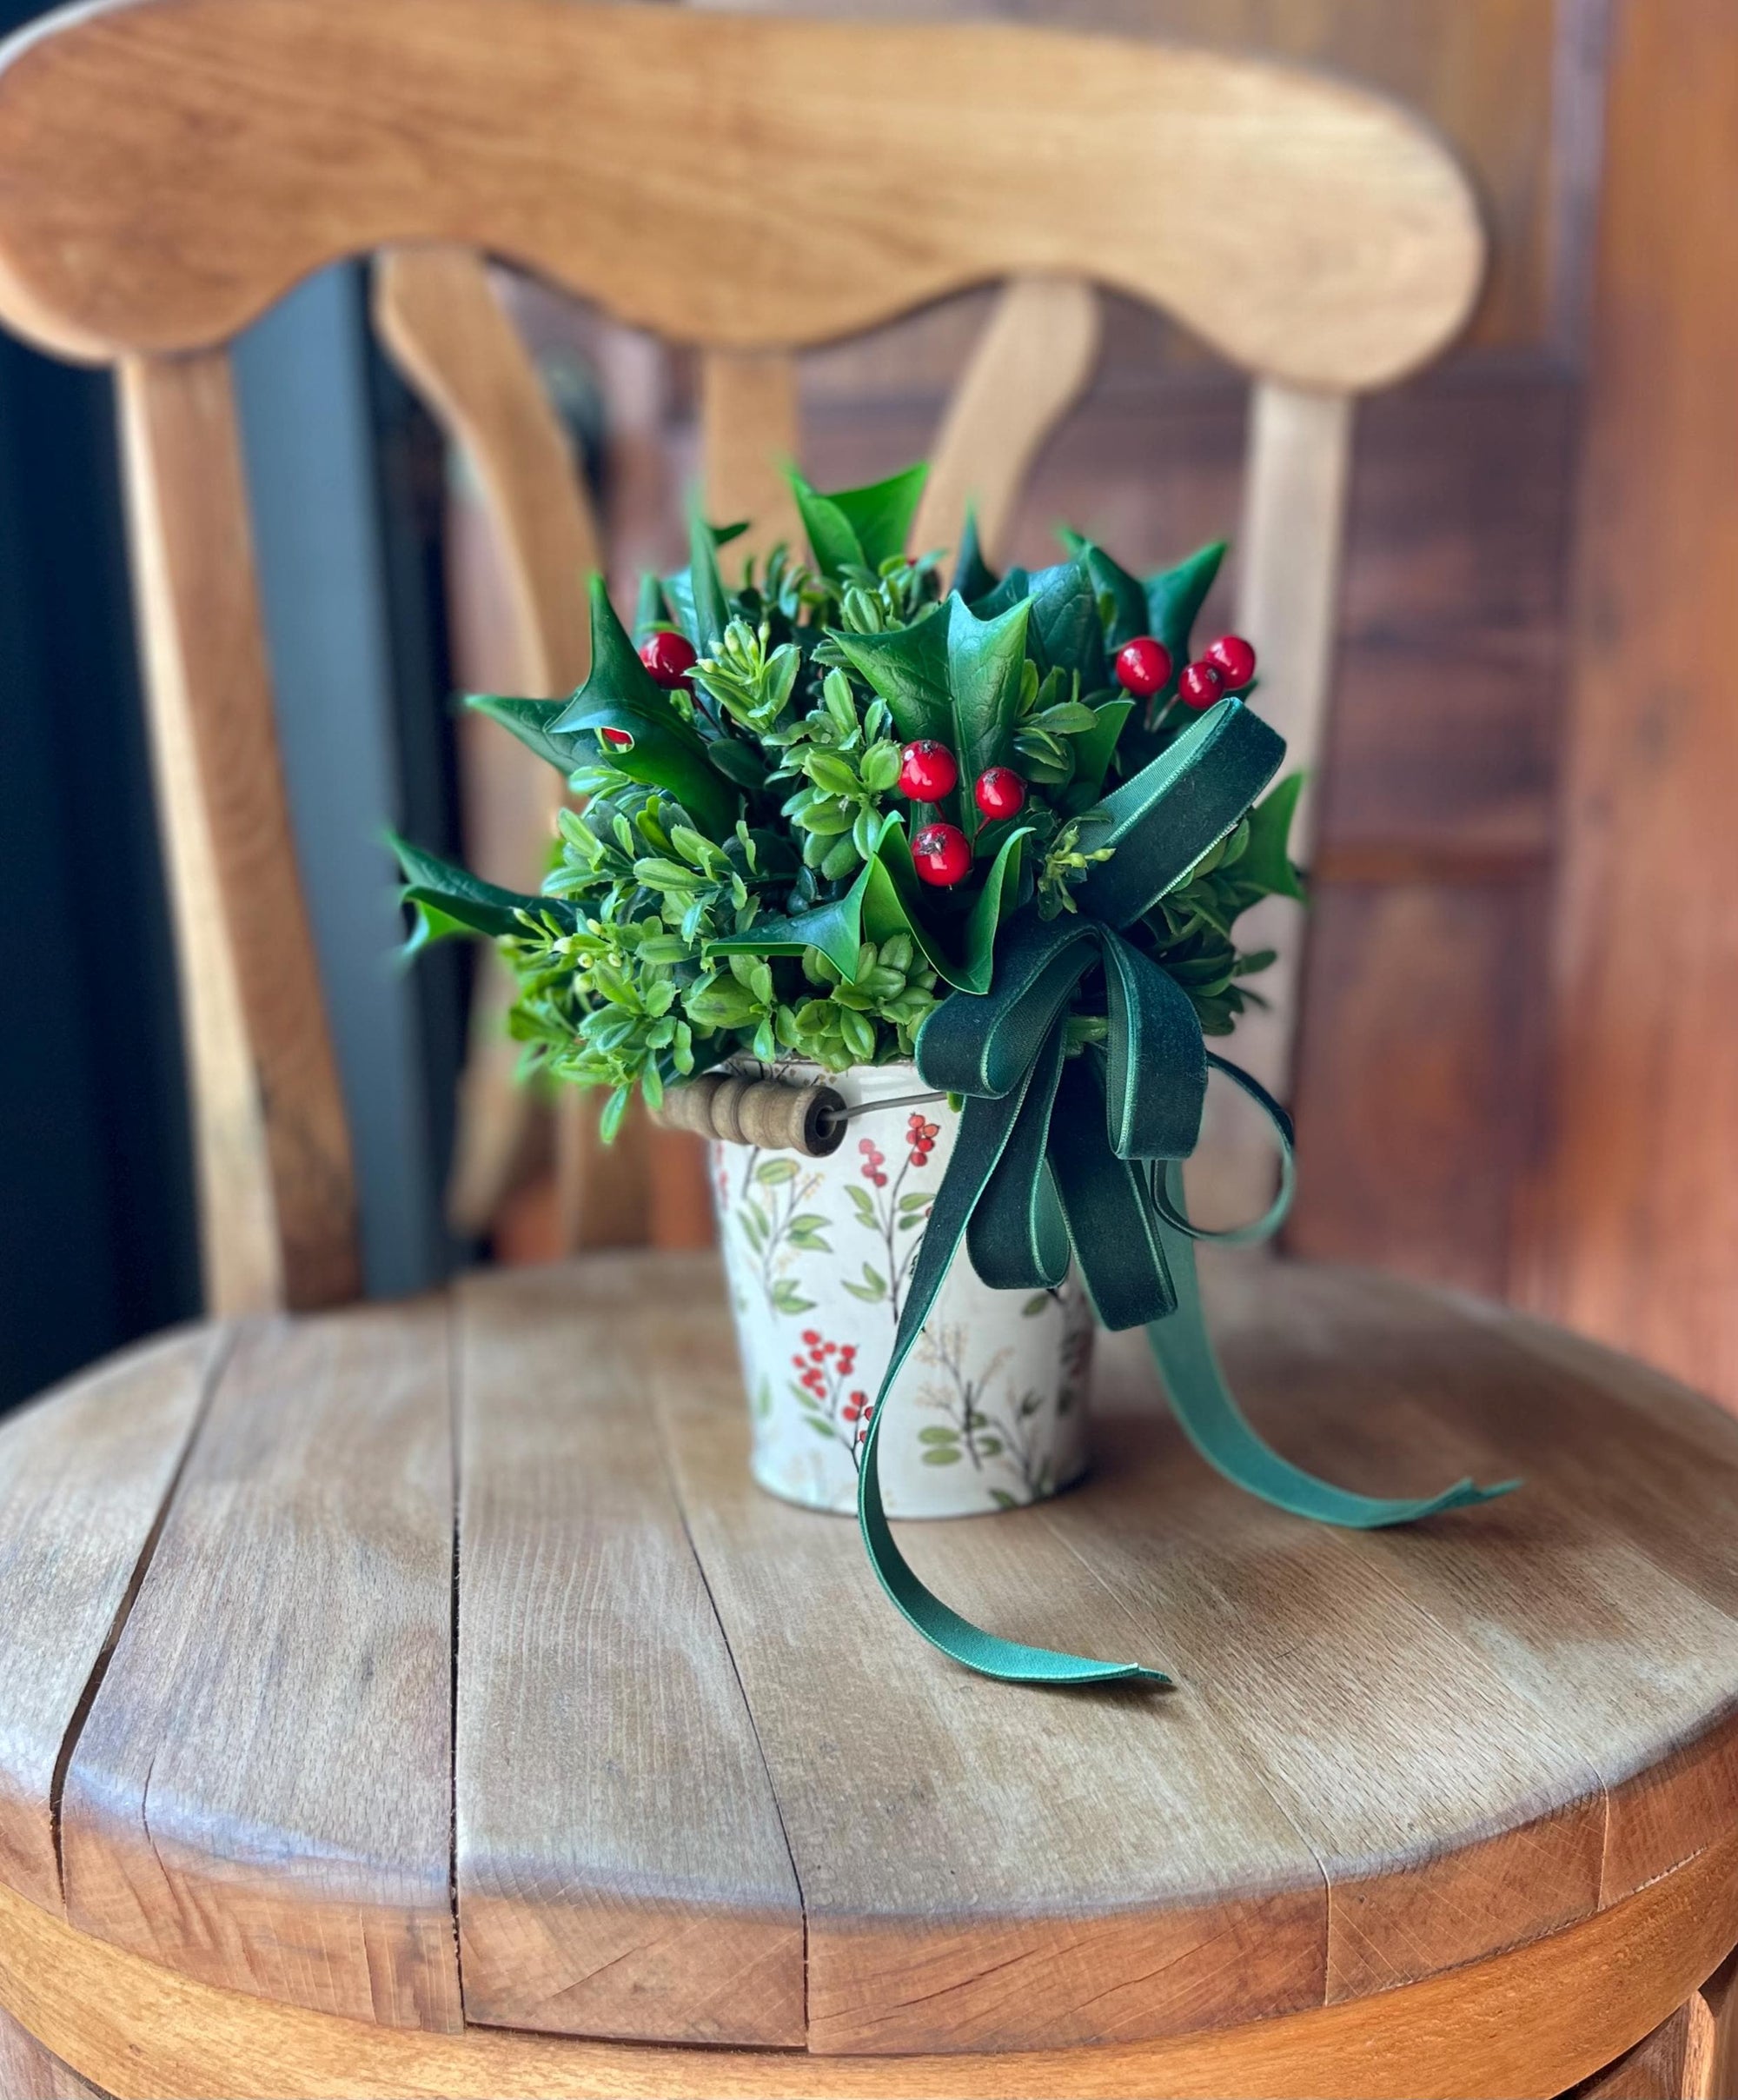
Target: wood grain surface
977 1871
621 1868
82 1475
1306 229
1527 2023
262 1793
1029 367
1635 1215
276 1189
28 2071
709 1787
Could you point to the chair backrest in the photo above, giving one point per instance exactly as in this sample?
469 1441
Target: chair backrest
745 185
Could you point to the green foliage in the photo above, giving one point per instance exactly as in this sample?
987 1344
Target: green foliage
739 877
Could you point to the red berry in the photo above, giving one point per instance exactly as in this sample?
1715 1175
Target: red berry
620 738
669 657
1143 666
1232 658
1001 792
1199 686
928 772
941 853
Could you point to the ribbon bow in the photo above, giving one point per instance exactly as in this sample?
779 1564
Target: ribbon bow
1074 1152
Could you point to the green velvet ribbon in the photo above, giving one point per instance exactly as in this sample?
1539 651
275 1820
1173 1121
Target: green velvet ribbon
1071 1152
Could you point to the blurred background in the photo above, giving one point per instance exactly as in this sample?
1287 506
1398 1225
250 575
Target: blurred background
1445 1128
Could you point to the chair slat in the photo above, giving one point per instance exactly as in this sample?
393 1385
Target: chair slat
1293 522
439 318
275 1183
751 423
1032 364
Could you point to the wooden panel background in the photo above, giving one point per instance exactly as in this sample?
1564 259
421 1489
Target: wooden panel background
1423 1061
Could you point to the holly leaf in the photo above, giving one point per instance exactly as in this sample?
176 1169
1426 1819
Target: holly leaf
1066 631
907 667
685 594
1128 594
973 578
1264 859
1175 597
709 608
650 741
532 721
835 929
450 900
986 662
859 527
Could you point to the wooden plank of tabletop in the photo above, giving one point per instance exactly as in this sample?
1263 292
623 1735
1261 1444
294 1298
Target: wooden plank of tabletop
84 1474
28 2071
981 1866
1454 1812
261 1795
621 1868
1602 1593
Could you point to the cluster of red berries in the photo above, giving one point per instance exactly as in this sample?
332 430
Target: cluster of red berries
928 771
1227 665
921 1137
874 1166
858 1408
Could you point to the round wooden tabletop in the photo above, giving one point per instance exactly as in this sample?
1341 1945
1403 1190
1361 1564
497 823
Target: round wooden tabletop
271 1721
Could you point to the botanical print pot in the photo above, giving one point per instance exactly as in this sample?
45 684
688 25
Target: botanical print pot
990 1411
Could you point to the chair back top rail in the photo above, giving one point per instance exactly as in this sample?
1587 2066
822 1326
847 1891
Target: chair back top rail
734 182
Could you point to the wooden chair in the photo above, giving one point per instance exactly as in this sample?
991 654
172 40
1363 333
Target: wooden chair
286 1752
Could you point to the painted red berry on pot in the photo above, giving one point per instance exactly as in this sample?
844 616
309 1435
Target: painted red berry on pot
1143 666
1200 686
669 658
1232 658
942 855
620 738
1001 792
927 771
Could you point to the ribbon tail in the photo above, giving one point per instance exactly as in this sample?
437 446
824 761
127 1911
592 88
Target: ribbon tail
985 1130
1216 1426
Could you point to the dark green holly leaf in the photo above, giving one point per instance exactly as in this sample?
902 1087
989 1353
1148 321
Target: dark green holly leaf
711 608
532 721
973 578
859 527
1013 589
1175 597
452 899
617 674
1264 859
1066 631
1127 592
985 663
651 613
639 729
907 666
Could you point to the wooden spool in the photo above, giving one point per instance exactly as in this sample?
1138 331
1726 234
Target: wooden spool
1446 1810
808 1120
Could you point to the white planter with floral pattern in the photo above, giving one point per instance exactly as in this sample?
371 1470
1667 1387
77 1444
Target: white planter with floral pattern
990 1411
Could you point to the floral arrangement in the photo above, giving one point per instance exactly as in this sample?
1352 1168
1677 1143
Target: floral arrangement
834 812
810 798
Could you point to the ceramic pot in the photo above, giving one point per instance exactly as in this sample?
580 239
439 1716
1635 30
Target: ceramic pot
988 1412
